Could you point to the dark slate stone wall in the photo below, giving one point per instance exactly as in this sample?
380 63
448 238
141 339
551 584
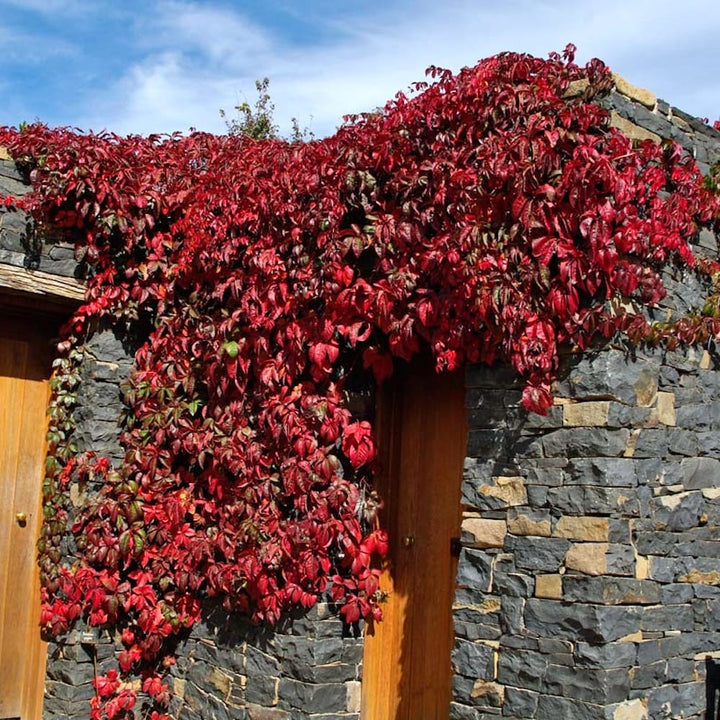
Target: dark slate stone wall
589 578
306 668
20 244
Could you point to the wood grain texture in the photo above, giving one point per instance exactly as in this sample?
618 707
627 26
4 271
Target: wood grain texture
36 282
23 403
422 435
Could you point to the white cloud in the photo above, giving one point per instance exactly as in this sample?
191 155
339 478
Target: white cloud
202 58
221 36
28 48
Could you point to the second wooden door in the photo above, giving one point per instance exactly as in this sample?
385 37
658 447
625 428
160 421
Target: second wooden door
422 432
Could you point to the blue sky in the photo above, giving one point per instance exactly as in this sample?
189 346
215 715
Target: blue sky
165 65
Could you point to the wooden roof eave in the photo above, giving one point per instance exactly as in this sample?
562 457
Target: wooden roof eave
40 290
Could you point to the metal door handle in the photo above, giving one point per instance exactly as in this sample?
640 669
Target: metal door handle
21 519
408 541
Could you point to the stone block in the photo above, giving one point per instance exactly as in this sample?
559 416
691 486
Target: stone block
545 471
699 416
473 659
644 97
592 500
588 558
592 413
709 443
520 703
354 696
649 676
612 374
611 590
474 569
483 532
610 655
467 629
673 617
682 442
511 615
505 491
585 442
620 559
630 710
539 553
650 443
604 472
487 443
701 472
588 528
262 691
220 681
594 685
666 408
549 586
480 693
260 664
508 581
676 594
459 711
257 712
521 668
312 698
581 622
551 707
680 511
528 522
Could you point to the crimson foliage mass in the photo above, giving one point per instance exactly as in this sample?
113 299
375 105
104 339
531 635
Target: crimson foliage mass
492 217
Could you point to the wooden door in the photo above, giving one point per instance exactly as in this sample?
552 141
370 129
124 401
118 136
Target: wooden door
24 388
422 435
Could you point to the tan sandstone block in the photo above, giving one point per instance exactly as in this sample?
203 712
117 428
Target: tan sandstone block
592 414
485 533
576 88
705 360
178 688
493 692
644 97
666 408
633 131
631 710
353 696
588 558
592 529
701 578
4 154
646 388
487 606
548 586
219 680
525 525
642 567
511 490
258 712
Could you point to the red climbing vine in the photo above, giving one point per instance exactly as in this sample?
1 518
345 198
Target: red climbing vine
493 216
